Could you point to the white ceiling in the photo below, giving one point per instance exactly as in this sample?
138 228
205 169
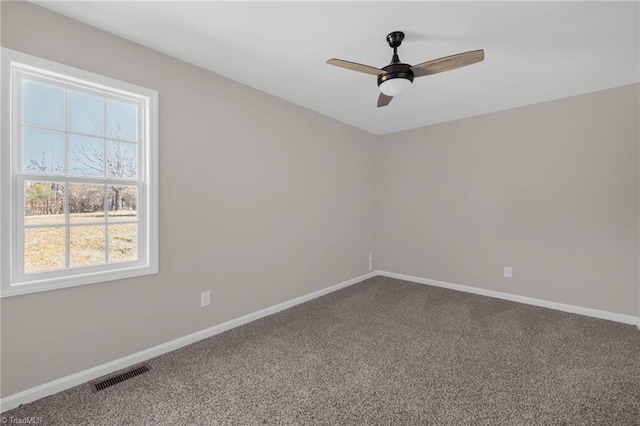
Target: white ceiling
534 51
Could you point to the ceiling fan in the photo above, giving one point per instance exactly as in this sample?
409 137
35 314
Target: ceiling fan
397 76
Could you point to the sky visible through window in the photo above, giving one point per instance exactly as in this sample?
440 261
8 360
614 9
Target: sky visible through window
43 144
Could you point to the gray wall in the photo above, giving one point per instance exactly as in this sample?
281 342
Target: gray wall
548 189
261 201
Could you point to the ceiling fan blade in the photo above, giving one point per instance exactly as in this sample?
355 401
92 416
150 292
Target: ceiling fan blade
447 63
355 66
383 100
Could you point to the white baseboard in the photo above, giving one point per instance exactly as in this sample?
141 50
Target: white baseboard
611 316
67 382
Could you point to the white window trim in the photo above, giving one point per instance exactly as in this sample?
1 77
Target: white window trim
11 283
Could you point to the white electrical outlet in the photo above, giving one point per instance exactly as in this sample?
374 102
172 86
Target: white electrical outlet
205 298
508 272
370 257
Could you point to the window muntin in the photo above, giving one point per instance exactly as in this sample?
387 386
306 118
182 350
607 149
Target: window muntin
83 190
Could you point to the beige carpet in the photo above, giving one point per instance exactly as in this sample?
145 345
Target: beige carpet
382 352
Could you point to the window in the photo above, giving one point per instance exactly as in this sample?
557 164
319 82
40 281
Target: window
79 168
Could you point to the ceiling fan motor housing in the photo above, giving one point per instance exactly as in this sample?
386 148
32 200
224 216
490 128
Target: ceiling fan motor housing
396 71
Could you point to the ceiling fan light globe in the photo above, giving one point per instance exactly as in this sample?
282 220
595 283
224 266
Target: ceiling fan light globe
394 86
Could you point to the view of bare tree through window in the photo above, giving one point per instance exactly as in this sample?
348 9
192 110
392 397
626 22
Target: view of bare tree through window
91 219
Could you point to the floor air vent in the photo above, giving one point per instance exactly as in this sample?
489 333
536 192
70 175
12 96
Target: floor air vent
120 377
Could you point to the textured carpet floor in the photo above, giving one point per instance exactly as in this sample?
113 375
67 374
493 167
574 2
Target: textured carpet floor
382 352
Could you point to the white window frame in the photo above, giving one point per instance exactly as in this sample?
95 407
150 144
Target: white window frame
13 279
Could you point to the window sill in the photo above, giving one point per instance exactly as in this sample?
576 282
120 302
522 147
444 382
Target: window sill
77 280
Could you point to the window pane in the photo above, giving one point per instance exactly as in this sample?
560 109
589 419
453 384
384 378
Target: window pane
42 105
44 249
123 242
43 203
86 203
122 121
123 203
42 151
86 156
85 113
86 245
122 159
